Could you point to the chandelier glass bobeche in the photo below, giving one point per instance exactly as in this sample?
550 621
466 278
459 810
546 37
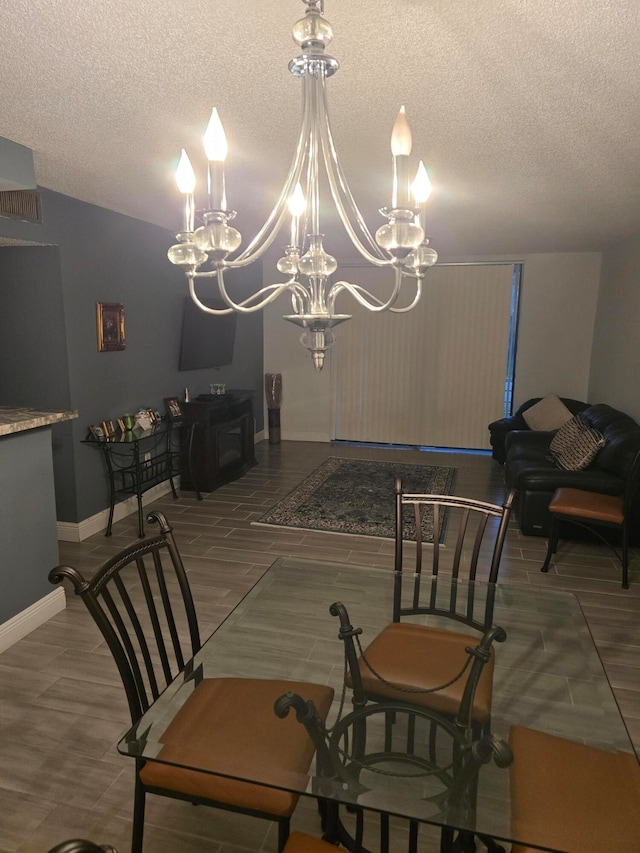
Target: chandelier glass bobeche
400 243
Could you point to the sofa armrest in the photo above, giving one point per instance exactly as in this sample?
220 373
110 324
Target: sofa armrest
526 476
508 424
528 439
500 429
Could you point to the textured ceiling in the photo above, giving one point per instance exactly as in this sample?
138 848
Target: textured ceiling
526 113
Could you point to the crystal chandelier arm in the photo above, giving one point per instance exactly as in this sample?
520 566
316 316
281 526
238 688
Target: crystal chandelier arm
376 305
245 307
276 289
269 231
371 302
313 176
416 298
363 296
299 302
341 193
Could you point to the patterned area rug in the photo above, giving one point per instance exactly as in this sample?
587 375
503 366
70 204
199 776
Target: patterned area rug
358 496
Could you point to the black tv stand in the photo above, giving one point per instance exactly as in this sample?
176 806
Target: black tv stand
217 440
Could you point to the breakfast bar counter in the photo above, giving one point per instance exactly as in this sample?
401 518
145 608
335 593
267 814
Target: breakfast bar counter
20 418
28 522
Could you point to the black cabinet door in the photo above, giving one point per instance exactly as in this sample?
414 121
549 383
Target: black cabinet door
217 440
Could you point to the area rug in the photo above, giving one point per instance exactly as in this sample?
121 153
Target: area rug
358 497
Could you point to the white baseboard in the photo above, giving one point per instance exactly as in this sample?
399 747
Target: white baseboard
306 436
77 532
259 436
28 620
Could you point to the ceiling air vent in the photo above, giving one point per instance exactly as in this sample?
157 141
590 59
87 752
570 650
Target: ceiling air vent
21 204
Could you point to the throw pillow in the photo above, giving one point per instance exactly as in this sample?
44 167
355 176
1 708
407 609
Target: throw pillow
548 414
576 444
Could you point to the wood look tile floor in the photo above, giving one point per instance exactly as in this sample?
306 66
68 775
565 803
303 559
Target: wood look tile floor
62 709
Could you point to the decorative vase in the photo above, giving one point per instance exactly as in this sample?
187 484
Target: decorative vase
273 393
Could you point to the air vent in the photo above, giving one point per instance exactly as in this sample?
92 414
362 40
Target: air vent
21 204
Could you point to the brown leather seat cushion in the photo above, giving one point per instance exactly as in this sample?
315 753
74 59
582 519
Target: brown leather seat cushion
299 842
588 505
420 657
228 725
573 797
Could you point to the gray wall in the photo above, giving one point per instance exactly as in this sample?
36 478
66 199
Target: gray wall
558 307
615 358
27 519
98 255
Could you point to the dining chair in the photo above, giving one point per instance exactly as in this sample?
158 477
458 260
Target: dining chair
429 757
437 650
593 510
141 601
571 796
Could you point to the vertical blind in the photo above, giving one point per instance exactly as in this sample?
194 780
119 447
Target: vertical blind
434 376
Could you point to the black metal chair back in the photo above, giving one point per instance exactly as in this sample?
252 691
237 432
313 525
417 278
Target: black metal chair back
142 604
418 667
475 535
433 759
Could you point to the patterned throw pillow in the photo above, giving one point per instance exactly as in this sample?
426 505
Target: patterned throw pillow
576 444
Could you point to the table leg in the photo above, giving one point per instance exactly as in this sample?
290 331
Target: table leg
112 490
136 452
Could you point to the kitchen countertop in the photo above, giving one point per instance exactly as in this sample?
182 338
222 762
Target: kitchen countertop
21 418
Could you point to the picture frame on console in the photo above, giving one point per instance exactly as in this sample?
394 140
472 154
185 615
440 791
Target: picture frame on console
174 410
144 420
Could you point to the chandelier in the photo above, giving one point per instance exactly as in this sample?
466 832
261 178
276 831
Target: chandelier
400 243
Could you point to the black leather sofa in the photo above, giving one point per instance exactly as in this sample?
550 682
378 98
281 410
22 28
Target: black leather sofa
498 430
529 469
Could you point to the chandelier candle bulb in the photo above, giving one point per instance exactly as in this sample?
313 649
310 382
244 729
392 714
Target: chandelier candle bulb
215 147
401 148
421 192
186 181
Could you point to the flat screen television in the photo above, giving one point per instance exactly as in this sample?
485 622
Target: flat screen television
207 339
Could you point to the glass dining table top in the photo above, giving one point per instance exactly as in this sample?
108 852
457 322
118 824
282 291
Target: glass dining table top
548 676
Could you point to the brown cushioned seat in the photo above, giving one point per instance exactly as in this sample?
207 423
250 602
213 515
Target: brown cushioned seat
228 725
572 797
395 652
588 505
299 842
